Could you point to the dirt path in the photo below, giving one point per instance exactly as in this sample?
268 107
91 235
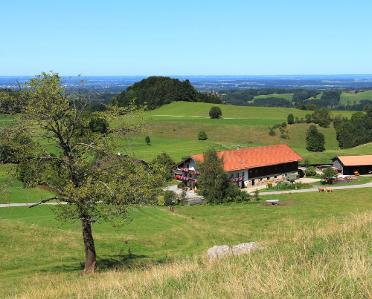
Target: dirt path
367 185
315 189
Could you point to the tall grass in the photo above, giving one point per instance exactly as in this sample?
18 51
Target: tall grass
331 260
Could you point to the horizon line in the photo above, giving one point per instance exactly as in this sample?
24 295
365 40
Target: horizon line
197 75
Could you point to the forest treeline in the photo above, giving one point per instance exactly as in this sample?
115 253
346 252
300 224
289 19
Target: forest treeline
156 91
305 99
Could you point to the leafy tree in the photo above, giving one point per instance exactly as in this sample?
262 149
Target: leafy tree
310 171
15 144
95 183
148 140
308 118
290 119
202 135
11 102
356 131
329 174
314 140
165 161
322 117
215 112
213 181
170 198
99 124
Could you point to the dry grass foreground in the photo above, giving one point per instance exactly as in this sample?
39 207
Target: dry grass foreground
328 261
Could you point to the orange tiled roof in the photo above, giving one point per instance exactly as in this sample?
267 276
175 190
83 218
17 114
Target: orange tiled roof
356 160
253 157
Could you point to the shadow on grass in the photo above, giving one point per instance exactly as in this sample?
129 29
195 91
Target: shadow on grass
115 262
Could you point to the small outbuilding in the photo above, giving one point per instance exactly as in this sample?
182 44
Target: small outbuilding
348 165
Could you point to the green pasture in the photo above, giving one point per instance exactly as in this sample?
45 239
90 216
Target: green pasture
12 190
35 244
350 98
287 96
173 128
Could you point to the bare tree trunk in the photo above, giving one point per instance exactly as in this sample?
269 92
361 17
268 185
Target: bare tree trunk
90 251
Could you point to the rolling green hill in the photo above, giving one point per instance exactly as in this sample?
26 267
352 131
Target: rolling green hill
173 128
350 98
287 96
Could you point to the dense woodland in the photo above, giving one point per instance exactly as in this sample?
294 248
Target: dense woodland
355 131
155 91
305 99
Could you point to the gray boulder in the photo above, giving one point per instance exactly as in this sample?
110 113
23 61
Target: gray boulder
225 250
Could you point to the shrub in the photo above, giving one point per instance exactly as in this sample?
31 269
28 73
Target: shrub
290 119
322 117
161 201
166 162
272 132
202 135
99 125
170 198
215 112
148 140
329 175
310 171
290 186
15 145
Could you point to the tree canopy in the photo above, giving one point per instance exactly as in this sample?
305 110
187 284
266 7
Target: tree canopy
355 131
93 182
156 91
215 112
314 140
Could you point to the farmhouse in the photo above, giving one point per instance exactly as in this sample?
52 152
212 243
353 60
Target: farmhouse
348 165
247 166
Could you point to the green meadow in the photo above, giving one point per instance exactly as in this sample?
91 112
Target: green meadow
347 97
350 98
36 247
173 128
287 96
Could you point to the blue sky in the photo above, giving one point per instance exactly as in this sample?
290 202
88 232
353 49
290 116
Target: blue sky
171 37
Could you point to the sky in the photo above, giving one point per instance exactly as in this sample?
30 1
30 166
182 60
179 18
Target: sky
194 37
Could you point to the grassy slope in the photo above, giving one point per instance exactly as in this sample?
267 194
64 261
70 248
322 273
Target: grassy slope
12 190
41 249
354 98
174 128
287 96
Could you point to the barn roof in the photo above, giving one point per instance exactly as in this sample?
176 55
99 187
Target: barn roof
355 160
253 157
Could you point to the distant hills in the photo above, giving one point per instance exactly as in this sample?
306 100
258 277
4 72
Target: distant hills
116 84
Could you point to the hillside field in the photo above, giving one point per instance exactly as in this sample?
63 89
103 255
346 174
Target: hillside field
324 233
347 97
173 128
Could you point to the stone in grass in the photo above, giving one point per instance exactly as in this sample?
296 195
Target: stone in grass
225 250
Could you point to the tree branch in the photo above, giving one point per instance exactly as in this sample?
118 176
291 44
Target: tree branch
49 199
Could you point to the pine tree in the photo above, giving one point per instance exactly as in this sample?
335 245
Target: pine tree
213 182
314 140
